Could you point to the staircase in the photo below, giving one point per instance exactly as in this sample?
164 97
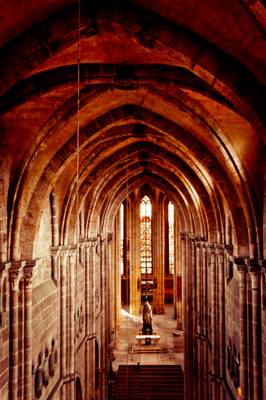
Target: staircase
149 382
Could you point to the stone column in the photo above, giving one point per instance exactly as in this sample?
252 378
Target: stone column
256 336
198 302
15 274
188 328
221 314
178 283
214 321
110 270
158 255
197 312
133 223
117 277
204 353
199 306
63 317
183 241
72 260
28 276
90 323
242 269
193 326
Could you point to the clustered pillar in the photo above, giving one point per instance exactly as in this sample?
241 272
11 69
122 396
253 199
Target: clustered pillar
133 223
158 256
210 272
20 277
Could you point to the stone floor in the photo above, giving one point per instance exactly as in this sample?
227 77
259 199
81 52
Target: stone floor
170 343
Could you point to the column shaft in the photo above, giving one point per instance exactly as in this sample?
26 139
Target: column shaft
214 323
158 244
256 337
71 308
243 332
63 315
28 336
221 300
188 328
133 226
15 275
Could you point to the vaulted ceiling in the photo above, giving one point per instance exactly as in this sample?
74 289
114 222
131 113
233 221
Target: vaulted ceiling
115 94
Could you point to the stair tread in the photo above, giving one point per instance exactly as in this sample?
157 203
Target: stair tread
145 382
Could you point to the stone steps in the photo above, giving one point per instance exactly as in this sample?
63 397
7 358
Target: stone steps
149 382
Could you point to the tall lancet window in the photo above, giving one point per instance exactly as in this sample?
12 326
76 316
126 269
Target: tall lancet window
171 214
145 237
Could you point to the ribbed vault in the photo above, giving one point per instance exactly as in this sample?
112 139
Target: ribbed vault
101 103
163 116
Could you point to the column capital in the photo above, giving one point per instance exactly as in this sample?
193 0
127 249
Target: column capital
72 251
229 248
63 251
28 272
211 248
55 251
183 235
4 268
198 245
254 267
239 261
255 273
242 269
15 274
105 237
92 241
109 236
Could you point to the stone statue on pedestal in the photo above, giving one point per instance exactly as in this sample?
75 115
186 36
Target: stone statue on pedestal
147 319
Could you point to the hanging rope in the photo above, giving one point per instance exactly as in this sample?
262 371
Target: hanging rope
77 192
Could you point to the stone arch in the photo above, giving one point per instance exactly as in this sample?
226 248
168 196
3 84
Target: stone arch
47 173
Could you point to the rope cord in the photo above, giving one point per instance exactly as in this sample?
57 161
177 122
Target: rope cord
77 193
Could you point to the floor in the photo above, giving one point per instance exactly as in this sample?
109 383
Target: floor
170 343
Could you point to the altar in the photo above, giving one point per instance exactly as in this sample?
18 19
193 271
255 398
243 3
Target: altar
148 339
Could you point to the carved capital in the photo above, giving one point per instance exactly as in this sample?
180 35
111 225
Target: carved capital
183 235
242 269
191 236
28 272
229 248
255 274
212 250
55 251
239 261
72 254
4 268
15 274
63 252
198 245
93 242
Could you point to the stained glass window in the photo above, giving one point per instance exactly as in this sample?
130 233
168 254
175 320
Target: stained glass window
145 236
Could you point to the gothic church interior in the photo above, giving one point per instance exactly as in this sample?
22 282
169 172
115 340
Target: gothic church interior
108 108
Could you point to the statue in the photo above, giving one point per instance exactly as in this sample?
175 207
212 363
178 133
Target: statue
38 377
45 367
147 319
52 359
